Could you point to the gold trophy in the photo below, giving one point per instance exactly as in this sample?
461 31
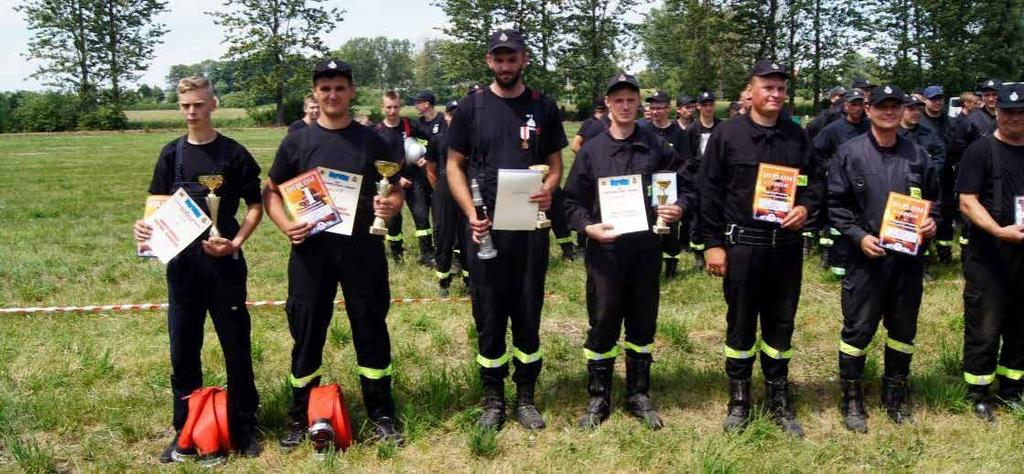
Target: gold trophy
212 182
386 169
660 227
542 219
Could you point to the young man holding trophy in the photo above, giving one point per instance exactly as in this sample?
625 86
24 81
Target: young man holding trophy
502 130
605 200
210 274
351 254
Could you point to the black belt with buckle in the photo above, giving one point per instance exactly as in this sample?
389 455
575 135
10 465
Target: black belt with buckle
739 235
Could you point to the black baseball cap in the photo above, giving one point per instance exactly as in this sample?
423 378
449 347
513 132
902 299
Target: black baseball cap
599 103
861 83
425 96
837 90
886 92
913 100
1011 97
853 94
767 67
734 106
705 96
620 80
332 67
451 106
508 39
684 100
660 97
991 85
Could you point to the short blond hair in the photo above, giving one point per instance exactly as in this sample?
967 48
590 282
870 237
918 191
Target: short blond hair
195 83
968 97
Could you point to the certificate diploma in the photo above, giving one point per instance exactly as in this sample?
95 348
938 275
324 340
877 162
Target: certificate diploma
622 203
344 190
175 225
512 207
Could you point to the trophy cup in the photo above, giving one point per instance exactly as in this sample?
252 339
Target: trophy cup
386 169
542 219
661 187
487 250
212 182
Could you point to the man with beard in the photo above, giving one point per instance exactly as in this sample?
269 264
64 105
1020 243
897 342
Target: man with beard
506 126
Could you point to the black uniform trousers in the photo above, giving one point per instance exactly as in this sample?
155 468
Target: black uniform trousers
993 313
950 210
559 221
622 290
887 290
418 197
315 269
197 283
672 242
761 282
509 289
449 229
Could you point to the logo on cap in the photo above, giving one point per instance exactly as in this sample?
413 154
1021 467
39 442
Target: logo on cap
622 78
332 65
775 66
887 90
991 83
1014 96
503 37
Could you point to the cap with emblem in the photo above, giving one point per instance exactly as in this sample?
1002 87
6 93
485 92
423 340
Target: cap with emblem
991 85
886 92
932 92
331 67
734 106
683 100
620 80
599 102
1011 96
425 96
767 67
660 97
705 96
508 39
837 90
853 94
450 106
861 83
912 100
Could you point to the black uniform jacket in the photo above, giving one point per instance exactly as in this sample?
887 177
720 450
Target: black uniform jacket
728 173
863 174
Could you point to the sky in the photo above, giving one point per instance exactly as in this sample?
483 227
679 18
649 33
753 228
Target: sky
193 37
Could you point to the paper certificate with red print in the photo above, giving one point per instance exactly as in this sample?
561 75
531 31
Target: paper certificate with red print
176 224
153 203
344 190
307 200
901 223
774 192
1018 210
622 203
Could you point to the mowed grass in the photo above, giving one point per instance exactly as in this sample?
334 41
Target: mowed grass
90 392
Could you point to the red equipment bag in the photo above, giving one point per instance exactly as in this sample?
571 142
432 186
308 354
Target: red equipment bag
206 428
328 415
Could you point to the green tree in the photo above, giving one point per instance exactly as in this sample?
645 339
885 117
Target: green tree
379 62
127 33
428 72
64 41
269 40
591 54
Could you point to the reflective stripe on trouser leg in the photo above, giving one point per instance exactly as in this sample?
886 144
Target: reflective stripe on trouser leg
983 379
899 346
851 350
394 238
492 363
526 358
299 382
644 349
775 353
944 243
442 275
741 354
697 247
591 355
424 232
564 240
667 256
1012 374
376 374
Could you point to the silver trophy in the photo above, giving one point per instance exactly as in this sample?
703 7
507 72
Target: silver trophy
486 251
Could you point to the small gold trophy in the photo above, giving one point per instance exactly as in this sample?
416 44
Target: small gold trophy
212 182
386 169
542 219
660 227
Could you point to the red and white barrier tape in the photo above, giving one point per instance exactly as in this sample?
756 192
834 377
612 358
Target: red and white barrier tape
251 304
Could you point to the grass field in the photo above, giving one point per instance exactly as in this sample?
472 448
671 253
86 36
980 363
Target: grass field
90 392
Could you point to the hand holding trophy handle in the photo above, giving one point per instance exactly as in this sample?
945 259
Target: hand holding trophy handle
386 169
487 250
542 218
212 182
661 187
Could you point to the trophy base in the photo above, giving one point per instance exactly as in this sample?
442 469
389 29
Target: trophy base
381 231
487 254
660 230
544 224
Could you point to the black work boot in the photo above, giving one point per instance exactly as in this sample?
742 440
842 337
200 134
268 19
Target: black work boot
671 268
292 439
397 251
426 252
945 254
855 417
896 398
1010 390
444 286
825 259
526 411
456 262
698 261
172 454
808 246
739 405
384 430
780 406
638 382
981 402
568 252
599 406
493 416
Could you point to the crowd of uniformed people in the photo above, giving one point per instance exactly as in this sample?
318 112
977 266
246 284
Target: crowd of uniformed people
871 141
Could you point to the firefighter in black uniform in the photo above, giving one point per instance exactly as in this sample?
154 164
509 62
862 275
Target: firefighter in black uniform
449 224
880 285
685 107
320 262
506 126
698 134
395 130
622 271
935 117
830 114
762 262
668 130
834 250
990 184
210 274
913 128
599 119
